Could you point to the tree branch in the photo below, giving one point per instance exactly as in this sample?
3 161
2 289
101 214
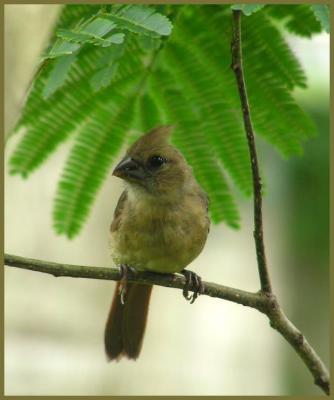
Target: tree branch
260 301
239 74
254 300
277 318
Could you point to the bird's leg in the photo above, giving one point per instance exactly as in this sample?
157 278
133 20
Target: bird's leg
123 270
192 280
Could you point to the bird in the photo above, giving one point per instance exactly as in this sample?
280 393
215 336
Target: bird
160 224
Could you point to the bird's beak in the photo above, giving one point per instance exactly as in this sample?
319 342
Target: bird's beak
129 169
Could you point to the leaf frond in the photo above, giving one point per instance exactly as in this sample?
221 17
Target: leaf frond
91 157
119 77
49 122
141 20
297 18
221 122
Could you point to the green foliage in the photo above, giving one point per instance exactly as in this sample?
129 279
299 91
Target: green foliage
297 18
58 76
101 29
269 86
321 12
248 9
114 72
89 161
141 20
216 115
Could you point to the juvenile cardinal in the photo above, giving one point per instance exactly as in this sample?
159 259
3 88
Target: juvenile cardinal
160 224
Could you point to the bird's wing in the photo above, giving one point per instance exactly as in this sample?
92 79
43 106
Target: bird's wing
118 211
205 200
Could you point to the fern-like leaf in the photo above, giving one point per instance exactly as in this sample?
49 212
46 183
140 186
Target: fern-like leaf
298 18
322 14
91 158
276 115
50 121
109 95
58 75
141 20
221 123
149 113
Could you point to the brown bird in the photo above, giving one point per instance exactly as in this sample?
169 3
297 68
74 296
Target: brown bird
160 224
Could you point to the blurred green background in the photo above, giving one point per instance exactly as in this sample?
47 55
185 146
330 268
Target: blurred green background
54 327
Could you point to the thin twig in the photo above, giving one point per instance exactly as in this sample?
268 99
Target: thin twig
259 301
278 320
258 231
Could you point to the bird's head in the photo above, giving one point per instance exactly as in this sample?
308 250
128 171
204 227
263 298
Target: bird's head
153 165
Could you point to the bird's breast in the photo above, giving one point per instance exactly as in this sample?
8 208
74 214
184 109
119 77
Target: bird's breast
159 238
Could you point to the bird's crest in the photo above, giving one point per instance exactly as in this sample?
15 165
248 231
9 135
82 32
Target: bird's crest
161 133
155 138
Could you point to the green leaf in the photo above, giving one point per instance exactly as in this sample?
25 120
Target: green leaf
115 38
148 43
91 158
223 127
297 18
149 113
49 122
109 55
99 27
73 13
269 82
58 117
103 77
111 94
278 59
321 12
142 20
62 48
58 75
269 100
73 36
248 9
83 37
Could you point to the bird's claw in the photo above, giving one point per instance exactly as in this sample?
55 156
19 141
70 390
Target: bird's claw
192 281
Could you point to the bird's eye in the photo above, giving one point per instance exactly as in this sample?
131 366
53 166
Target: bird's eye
156 161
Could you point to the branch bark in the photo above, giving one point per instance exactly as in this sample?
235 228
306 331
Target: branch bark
258 225
254 300
277 318
265 303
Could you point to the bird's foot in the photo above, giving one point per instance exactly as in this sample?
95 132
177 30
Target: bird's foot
124 272
193 281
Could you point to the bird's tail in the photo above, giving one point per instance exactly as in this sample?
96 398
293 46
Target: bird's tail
126 322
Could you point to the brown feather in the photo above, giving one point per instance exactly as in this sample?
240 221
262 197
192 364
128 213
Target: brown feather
126 323
118 211
154 138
